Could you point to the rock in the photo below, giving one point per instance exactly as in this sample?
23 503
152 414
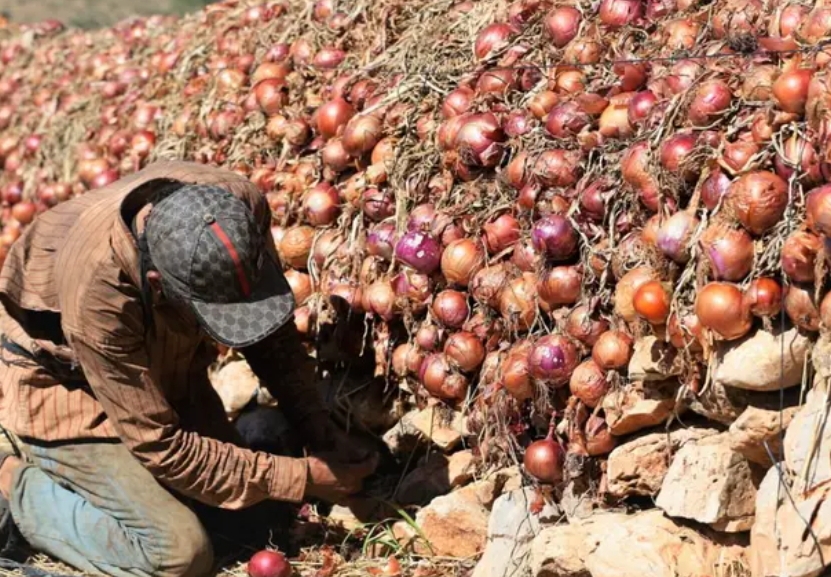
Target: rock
436 477
710 483
639 405
808 446
344 517
654 360
718 403
403 437
757 428
780 543
646 544
511 528
639 466
236 384
762 361
442 426
455 525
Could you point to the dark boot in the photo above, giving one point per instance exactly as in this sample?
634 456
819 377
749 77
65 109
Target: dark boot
12 544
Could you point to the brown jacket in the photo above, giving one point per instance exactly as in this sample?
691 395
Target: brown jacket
70 289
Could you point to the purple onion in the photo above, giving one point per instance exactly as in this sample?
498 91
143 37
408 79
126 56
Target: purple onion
518 123
553 359
414 286
714 188
555 236
381 240
421 218
674 236
419 251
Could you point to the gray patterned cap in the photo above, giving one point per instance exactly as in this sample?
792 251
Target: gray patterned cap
210 253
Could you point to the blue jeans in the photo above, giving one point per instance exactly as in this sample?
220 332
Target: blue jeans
92 505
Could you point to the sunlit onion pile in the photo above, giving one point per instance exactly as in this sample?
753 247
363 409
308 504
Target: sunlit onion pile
512 194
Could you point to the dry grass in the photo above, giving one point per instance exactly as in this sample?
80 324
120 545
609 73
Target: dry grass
93 13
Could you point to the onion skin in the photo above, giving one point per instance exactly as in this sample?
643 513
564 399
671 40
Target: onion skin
818 205
758 200
626 288
729 252
515 372
487 285
764 297
721 308
518 301
675 235
555 236
553 359
440 380
450 308
588 383
799 255
461 260
420 251
560 285
465 350
613 350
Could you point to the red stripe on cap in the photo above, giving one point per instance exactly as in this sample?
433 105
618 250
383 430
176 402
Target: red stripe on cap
232 251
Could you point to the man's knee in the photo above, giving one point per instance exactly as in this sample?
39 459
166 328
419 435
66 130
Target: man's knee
187 551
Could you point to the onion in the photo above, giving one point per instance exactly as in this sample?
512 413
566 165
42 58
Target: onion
758 200
271 95
450 308
555 236
516 173
518 301
422 218
420 251
764 297
321 206
379 298
518 123
501 233
566 120
544 460
640 107
676 154
720 307
585 326
675 235
296 246
729 252
465 351
612 350
301 285
626 288
492 39
333 116
799 255
553 359
269 564
497 83
487 285
636 173
514 372
541 103
413 286
361 135
458 102
440 380
714 188
588 383
800 153
614 121
583 50
461 260
599 439
381 240
334 155
428 337
24 212
560 285
562 24
407 360
711 100
328 58
560 168
620 13
377 204
479 141
818 209
652 302
790 91
800 307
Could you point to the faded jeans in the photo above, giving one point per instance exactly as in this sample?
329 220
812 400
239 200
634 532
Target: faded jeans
92 505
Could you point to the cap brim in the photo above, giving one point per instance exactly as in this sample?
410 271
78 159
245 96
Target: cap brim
245 323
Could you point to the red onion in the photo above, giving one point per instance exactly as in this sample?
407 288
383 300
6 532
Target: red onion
620 13
800 153
555 236
675 235
269 564
676 154
378 204
588 383
553 359
544 460
479 141
492 39
562 24
714 188
558 168
818 205
333 116
799 255
560 285
422 218
764 297
328 58
729 252
458 102
321 206
711 100
566 120
413 286
790 91
758 200
518 123
501 233
419 251
380 240
440 380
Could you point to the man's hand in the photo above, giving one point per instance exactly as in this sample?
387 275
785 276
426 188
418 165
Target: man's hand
324 436
332 480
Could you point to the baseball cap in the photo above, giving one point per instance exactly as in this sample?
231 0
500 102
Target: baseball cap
210 253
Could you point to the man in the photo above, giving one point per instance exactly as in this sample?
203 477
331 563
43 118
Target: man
111 304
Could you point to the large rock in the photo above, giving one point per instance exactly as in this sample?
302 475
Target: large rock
808 445
758 431
646 544
639 405
762 361
236 384
443 426
710 483
639 466
437 476
513 524
654 360
782 541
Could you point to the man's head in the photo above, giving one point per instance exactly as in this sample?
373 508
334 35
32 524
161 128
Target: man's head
208 255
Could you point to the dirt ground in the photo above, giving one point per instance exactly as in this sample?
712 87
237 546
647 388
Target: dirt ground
92 13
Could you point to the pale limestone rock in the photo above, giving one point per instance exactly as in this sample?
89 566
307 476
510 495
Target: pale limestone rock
762 361
236 384
639 466
710 483
646 544
639 405
445 428
654 360
756 429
